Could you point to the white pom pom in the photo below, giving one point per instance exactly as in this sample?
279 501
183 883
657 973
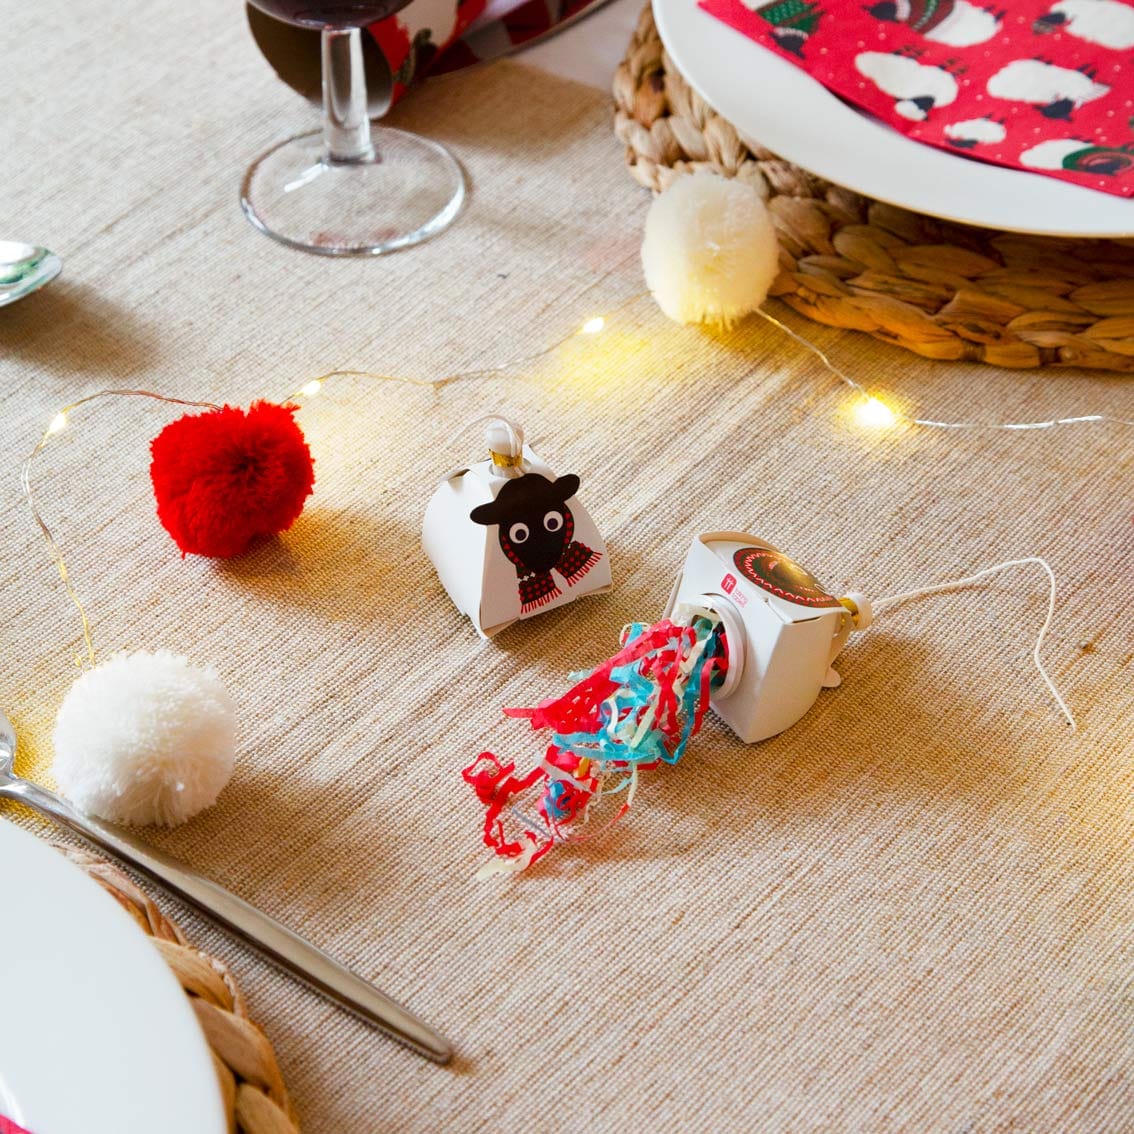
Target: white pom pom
709 250
145 738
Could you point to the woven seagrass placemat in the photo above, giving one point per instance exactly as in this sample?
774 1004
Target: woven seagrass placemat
255 1097
943 290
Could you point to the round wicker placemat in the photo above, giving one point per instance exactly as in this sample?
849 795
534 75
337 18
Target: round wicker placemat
942 290
254 1093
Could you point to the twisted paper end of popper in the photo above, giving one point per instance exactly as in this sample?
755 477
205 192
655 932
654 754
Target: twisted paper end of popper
635 711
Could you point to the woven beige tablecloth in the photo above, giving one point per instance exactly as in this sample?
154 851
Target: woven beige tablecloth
911 912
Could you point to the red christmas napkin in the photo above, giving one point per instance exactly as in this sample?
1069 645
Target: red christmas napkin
7 1126
1041 85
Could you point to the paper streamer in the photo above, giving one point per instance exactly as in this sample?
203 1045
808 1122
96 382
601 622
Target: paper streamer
635 711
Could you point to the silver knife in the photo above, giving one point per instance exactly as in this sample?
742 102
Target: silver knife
264 934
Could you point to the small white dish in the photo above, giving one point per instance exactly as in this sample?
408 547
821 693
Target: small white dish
25 268
780 106
98 1036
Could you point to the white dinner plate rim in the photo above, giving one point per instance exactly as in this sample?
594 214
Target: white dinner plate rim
836 142
106 1039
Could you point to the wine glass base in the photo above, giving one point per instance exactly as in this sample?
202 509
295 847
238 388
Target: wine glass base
409 190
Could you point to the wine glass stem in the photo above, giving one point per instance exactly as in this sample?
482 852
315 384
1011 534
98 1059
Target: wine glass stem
346 123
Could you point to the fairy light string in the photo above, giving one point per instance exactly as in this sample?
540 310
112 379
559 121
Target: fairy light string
310 389
875 412
592 326
872 412
57 424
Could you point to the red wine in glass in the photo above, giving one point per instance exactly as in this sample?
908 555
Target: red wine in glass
354 189
328 14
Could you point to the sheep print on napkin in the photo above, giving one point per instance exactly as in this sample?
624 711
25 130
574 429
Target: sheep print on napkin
1040 85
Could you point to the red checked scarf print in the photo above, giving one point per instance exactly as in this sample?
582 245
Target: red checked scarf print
1040 85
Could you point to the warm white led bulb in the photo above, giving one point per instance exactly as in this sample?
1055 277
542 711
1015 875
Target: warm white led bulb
58 423
593 326
875 414
312 388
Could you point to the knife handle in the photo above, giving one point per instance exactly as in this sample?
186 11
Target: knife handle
277 943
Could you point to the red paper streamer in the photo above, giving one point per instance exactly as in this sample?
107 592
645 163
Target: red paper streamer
636 710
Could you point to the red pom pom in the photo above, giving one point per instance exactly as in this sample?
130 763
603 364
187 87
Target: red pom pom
225 478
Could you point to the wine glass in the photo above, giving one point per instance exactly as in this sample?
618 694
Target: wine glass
353 189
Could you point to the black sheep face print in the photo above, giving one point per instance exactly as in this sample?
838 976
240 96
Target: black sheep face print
537 533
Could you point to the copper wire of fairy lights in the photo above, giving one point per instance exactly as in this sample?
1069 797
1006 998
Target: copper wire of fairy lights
872 412
57 424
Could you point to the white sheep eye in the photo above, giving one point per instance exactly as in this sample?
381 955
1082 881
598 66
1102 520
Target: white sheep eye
553 521
518 533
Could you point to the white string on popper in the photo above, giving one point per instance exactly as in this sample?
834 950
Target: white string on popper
504 428
969 580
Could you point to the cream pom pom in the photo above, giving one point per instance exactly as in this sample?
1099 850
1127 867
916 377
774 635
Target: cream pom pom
145 738
709 250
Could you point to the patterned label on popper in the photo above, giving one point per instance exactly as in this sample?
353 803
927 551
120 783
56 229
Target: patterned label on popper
775 572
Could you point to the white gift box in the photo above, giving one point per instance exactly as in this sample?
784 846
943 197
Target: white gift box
533 547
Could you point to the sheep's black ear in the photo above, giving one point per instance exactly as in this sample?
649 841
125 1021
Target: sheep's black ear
566 487
486 514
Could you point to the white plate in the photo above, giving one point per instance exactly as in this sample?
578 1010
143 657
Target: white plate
780 106
96 1035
